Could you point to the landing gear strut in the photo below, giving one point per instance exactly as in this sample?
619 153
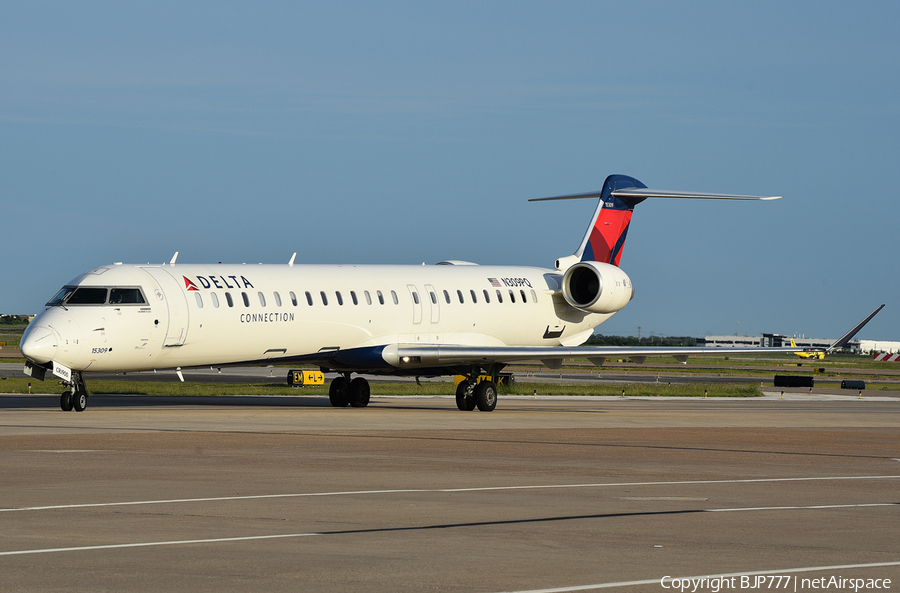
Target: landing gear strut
74 398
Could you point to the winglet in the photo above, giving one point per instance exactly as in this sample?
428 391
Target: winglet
849 335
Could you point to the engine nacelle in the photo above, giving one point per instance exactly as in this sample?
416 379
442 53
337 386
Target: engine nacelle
597 287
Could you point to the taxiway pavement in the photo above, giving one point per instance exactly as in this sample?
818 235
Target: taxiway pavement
288 494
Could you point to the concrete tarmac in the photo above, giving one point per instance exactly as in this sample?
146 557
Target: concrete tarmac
289 494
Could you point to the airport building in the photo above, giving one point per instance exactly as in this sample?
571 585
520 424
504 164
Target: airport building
872 346
779 341
770 341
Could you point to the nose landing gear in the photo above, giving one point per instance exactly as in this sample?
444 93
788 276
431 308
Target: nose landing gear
74 398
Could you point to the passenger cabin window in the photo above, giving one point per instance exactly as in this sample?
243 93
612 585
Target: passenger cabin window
512 296
353 297
199 299
533 296
433 298
324 298
277 299
339 297
499 297
460 296
487 296
380 296
394 297
126 296
87 296
368 297
522 292
415 296
246 299
229 299
293 298
215 299
447 297
474 298
262 299
309 298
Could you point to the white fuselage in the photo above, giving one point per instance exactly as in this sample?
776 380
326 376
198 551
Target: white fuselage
198 315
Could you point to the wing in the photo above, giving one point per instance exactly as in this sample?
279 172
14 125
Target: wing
448 356
433 359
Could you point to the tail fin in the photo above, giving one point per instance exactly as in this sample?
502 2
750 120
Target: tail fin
605 238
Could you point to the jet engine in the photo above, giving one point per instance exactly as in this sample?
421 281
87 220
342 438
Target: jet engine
597 287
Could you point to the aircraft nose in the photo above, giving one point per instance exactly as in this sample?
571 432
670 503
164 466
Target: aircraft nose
39 344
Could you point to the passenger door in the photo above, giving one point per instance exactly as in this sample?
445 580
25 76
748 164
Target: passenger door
416 299
171 294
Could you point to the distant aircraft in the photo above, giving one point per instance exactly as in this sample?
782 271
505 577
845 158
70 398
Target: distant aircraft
453 318
808 352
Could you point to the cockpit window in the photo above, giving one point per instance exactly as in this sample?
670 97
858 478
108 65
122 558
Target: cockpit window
87 295
96 295
126 296
60 296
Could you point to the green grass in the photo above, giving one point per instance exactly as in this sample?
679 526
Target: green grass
15 385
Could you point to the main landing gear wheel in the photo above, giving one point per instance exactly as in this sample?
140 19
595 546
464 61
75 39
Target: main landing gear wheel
339 392
65 401
359 393
486 396
464 401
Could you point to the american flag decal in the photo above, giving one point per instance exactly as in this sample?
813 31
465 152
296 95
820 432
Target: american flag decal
493 282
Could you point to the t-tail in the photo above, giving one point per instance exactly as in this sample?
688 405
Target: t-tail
605 237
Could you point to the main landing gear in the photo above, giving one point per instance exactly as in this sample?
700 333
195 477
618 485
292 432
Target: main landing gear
470 393
343 391
482 395
75 397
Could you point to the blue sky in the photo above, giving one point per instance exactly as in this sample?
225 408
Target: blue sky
403 132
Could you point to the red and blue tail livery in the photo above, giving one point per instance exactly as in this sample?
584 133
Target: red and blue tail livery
605 237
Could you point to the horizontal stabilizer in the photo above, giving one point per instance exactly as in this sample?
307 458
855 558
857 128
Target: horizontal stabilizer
643 192
661 193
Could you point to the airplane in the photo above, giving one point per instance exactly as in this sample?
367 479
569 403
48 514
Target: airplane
809 353
451 318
